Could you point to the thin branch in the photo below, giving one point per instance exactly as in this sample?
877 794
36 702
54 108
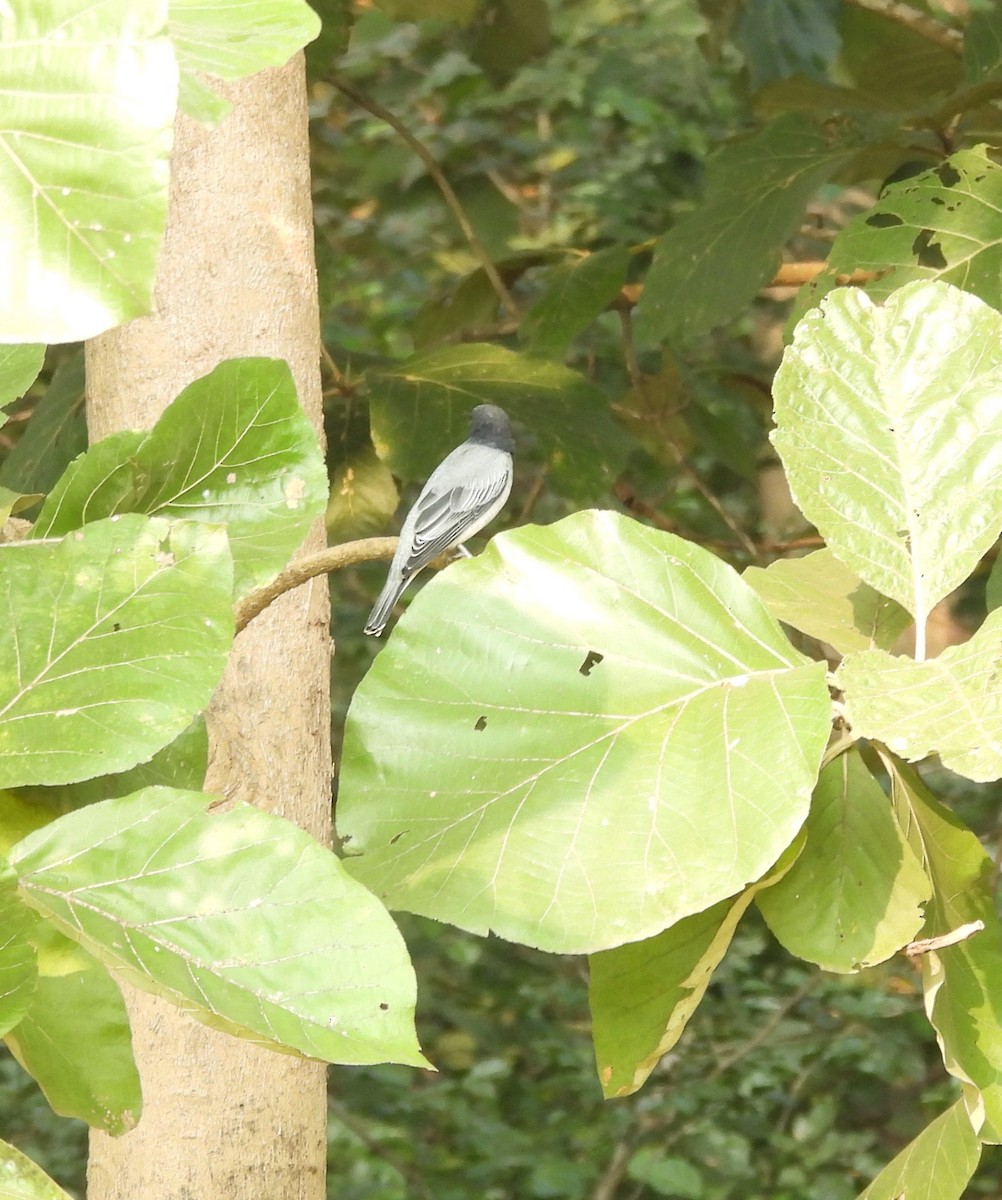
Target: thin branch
762 1036
610 1179
349 554
630 354
435 171
960 934
918 22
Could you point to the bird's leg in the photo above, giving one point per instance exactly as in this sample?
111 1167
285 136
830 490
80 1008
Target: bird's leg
462 552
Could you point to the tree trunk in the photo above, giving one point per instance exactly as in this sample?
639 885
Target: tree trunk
223 1118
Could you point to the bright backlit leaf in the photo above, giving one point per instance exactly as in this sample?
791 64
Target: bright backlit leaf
21 1179
950 705
821 597
119 634
642 994
82 226
962 995
581 704
75 1039
238 916
890 429
18 969
935 1165
855 895
234 448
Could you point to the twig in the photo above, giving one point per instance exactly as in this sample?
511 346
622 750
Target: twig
633 367
435 171
762 1036
918 22
960 934
610 1179
349 554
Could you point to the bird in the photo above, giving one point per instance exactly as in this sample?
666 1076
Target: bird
465 492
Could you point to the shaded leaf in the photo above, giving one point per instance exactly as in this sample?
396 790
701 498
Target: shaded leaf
55 434
337 18
420 411
75 1039
709 266
471 303
19 367
890 431
363 497
894 65
18 967
576 293
983 45
119 635
935 1165
821 597
234 448
642 994
787 37
855 895
950 706
82 226
21 1179
573 707
962 995
238 916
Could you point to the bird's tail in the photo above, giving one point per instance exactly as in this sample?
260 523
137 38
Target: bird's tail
381 610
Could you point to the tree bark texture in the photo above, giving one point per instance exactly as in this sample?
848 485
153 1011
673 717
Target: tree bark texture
224 1119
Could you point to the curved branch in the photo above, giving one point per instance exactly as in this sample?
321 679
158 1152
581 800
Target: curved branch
443 185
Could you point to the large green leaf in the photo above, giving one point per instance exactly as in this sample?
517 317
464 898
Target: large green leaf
55 434
941 224
234 448
821 597
87 116
890 429
584 704
963 996
983 45
75 1038
420 410
786 37
21 1179
238 916
709 266
950 706
118 636
19 367
935 1165
855 895
642 994
18 966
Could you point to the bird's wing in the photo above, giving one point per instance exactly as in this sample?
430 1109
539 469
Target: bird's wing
443 517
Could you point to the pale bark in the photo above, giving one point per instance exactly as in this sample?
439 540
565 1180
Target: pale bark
223 1118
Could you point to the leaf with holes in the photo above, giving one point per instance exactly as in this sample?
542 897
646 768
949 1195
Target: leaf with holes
82 227
581 704
890 429
238 916
118 636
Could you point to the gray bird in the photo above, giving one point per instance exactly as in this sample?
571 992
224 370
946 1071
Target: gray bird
466 491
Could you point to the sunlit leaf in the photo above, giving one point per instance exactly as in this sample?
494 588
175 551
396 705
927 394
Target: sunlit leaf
574 707
821 597
82 226
642 994
935 1165
119 634
18 968
75 1038
962 994
856 893
21 1179
234 448
950 706
238 916
889 426
233 40
19 367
